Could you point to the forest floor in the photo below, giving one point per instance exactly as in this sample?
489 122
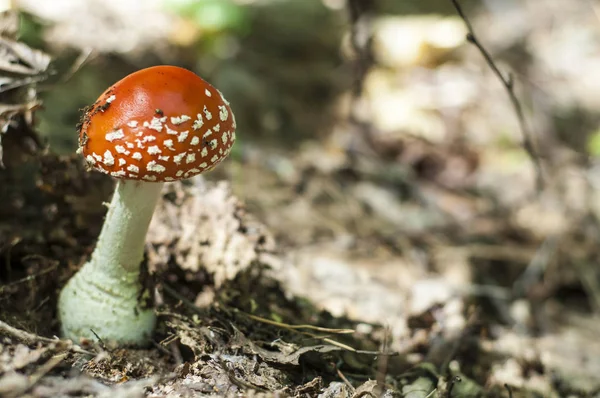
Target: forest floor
408 252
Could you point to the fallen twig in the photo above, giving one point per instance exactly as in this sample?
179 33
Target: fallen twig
31 338
508 83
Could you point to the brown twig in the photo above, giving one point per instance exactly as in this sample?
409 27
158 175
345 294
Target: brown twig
30 338
509 84
29 278
344 379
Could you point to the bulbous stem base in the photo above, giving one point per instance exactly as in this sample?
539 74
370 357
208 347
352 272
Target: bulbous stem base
103 298
94 304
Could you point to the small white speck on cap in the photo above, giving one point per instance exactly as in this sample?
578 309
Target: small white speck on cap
169 179
90 159
198 123
171 131
208 94
224 138
149 138
133 168
207 134
121 149
149 178
169 144
155 167
111 99
223 114
176 120
119 173
164 158
132 123
177 158
207 113
190 158
182 136
214 158
223 98
136 156
122 162
213 143
191 172
179 173
217 128
203 165
156 123
204 152
129 145
115 135
195 140
97 157
154 150
109 160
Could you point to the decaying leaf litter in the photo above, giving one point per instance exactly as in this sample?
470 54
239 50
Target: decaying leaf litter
436 262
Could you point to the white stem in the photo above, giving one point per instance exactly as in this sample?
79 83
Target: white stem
121 242
103 296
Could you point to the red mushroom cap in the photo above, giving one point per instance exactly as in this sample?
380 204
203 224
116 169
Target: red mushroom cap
162 123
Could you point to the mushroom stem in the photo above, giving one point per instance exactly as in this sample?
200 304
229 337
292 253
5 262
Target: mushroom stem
121 242
103 297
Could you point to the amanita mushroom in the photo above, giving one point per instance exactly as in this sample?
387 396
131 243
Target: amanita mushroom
156 125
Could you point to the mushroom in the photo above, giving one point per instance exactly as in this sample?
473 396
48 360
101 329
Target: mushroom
156 125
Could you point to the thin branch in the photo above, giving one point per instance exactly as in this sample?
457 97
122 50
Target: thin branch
508 83
25 337
344 379
29 278
30 338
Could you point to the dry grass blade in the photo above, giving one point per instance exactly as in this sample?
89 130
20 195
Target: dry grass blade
288 326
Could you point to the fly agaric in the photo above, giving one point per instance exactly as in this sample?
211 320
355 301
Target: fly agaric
156 125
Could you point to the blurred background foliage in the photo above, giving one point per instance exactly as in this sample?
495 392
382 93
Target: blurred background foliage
278 61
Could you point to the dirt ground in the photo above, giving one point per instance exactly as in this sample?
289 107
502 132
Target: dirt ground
381 228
